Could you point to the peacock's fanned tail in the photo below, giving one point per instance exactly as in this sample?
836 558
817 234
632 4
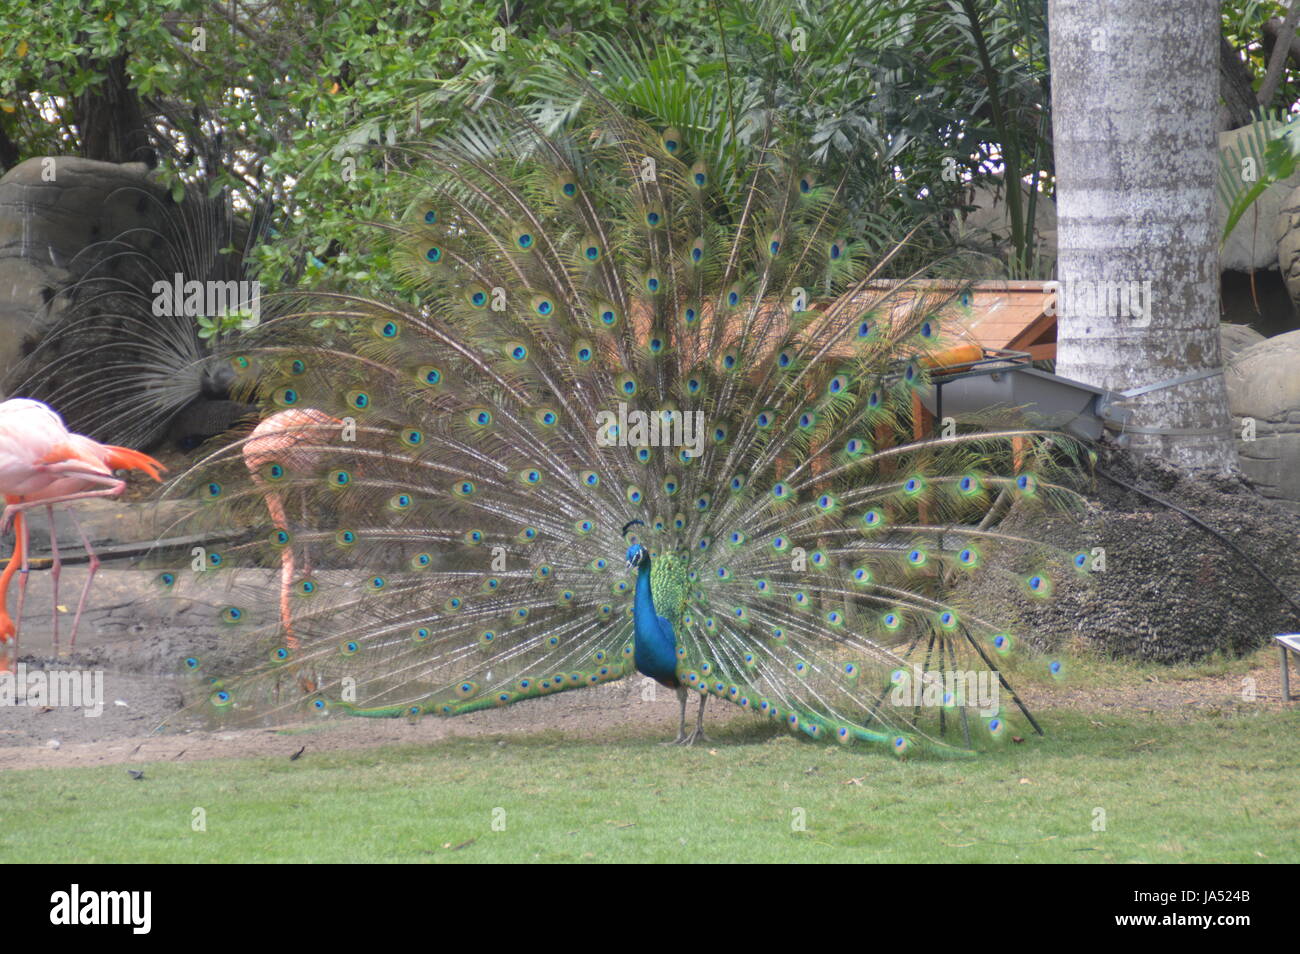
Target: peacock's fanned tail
599 333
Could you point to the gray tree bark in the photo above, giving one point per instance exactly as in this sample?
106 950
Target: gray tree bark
1135 95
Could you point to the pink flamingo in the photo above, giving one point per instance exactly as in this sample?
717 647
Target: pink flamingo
290 439
43 464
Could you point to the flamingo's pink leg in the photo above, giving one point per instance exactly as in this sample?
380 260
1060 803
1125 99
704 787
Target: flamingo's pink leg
14 510
306 547
7 629
20 529
85 589
56 570
278 517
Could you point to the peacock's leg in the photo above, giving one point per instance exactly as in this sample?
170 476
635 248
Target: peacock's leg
698 735
681 727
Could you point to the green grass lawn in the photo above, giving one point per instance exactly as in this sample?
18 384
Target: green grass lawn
1216 788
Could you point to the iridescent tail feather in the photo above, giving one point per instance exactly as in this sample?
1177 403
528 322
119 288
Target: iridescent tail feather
462 515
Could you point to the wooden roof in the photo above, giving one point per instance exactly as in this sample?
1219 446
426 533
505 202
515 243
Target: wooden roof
997 314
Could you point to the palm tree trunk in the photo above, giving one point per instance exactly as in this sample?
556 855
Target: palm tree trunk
1135 104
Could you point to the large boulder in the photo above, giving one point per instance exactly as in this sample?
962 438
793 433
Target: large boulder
82 245
52 209
1236 338
1286 239
1264 397
1253 244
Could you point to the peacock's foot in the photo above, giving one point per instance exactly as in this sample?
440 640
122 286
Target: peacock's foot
680 740
696 736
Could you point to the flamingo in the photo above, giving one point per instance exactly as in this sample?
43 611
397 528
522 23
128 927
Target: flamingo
43 464
288 439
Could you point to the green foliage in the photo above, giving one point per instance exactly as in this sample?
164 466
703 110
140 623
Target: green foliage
1261 157
213 327
310 107
1243 22
307 103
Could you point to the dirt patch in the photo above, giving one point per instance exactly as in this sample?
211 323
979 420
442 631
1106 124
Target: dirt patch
1256 689
125 733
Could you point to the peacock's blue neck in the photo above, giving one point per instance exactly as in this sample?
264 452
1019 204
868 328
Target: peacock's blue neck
654 642
643 606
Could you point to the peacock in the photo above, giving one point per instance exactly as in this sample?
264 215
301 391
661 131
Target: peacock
637 409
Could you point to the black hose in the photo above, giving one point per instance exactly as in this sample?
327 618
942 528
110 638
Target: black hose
1208 529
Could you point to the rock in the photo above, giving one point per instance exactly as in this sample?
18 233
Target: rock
1253 244
82 246
1286 238
1264 392
1235 338
51 210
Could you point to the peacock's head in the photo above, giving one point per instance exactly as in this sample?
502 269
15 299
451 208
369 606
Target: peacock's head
636 555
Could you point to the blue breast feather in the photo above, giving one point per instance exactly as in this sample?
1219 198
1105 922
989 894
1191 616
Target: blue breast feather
655 641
